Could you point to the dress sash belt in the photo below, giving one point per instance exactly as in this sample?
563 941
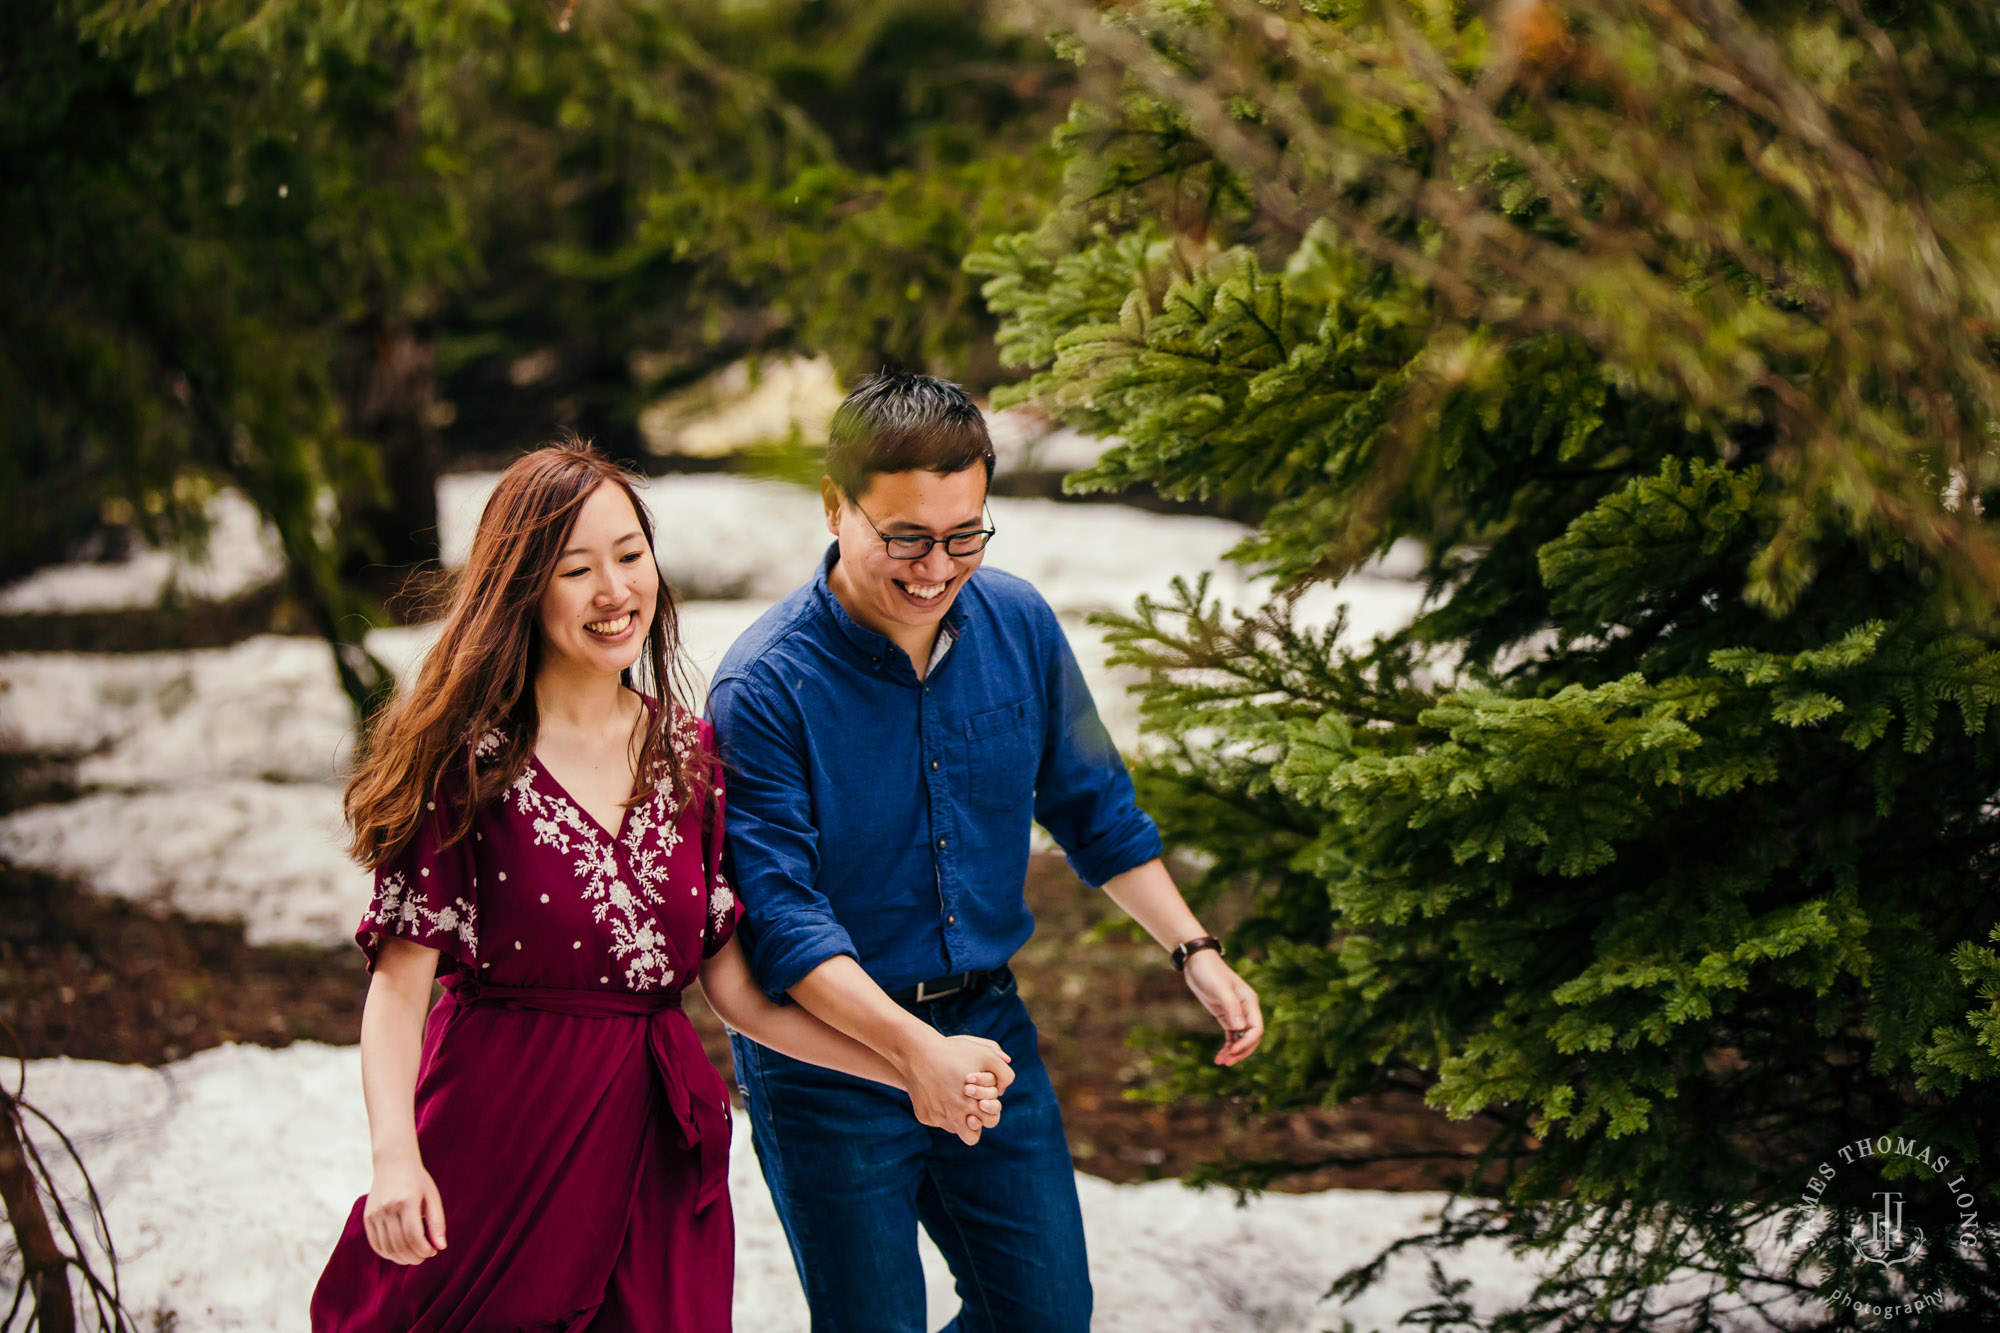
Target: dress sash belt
695 1092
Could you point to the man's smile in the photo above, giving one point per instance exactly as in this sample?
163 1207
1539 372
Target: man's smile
926 596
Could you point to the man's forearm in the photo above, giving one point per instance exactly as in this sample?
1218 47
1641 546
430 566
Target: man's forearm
1149 896
845 998
931 1067
1148 893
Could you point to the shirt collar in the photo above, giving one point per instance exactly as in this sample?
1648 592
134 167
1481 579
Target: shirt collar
940 646
877 647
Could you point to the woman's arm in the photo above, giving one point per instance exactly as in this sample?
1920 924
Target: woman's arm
733 993
404 1217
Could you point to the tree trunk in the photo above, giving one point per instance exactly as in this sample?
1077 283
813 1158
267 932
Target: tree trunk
45 1268
390 401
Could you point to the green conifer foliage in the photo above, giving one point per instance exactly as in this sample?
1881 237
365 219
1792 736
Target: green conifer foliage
1663 841
311 249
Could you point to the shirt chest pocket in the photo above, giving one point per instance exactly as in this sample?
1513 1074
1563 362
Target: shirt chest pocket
1003 750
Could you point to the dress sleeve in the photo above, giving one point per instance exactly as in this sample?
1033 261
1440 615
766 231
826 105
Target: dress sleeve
426 893
724 908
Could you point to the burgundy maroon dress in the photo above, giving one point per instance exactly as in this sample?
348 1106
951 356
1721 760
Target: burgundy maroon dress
578 1135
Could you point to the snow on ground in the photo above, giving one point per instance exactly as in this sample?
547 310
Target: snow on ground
742 406
1026 441
242 554
227 1177
269 707
267 854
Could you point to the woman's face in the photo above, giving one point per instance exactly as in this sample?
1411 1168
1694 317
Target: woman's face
598 606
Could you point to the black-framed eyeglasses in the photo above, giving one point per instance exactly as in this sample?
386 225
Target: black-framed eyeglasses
917 545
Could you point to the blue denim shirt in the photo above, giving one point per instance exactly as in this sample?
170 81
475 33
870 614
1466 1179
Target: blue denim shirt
885 817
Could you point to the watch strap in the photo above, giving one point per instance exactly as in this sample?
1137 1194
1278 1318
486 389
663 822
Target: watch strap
1191 947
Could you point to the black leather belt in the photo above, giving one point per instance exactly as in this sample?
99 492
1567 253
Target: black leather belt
939 987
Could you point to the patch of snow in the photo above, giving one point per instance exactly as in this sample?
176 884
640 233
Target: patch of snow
267 707
717 537
708 629
227 1177
1026 441
264 853
737 408
243 553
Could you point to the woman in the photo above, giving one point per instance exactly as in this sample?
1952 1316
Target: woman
547 842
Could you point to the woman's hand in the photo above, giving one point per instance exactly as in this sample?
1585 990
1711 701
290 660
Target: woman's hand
983 1085
404 1217
935 1074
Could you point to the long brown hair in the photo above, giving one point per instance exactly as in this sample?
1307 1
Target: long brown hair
475 691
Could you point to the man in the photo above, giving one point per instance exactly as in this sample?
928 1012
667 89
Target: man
891 729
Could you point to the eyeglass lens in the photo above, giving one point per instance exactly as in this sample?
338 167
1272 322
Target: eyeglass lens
915 546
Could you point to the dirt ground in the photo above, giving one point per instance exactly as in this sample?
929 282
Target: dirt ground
99 978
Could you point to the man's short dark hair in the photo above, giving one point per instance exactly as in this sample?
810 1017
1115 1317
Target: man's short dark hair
900 421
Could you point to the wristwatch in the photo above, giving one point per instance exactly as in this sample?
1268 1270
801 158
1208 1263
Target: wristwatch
1193 946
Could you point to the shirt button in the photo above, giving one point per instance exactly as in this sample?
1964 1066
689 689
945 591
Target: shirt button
940 842
952 919
933 765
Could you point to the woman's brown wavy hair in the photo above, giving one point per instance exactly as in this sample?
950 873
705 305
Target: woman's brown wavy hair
480 673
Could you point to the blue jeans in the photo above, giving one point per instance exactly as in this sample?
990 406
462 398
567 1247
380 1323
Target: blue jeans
853 1174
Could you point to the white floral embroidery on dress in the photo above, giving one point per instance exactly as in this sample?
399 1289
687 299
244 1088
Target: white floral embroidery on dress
720 900
649 836
683 735
400 910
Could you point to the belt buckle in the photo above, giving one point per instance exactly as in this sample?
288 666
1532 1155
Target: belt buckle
924 995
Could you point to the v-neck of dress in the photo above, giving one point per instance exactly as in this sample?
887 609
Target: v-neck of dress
624 811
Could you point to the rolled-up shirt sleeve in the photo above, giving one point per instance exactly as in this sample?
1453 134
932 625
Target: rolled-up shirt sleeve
788 928
1083 793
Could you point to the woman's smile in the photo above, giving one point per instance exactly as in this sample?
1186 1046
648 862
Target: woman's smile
615 629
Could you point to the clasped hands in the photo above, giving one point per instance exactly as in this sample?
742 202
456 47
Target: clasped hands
955 1083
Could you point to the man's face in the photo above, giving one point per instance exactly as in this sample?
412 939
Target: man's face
880 591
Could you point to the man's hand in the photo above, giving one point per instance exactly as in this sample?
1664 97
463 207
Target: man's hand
1229 997
943 1075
